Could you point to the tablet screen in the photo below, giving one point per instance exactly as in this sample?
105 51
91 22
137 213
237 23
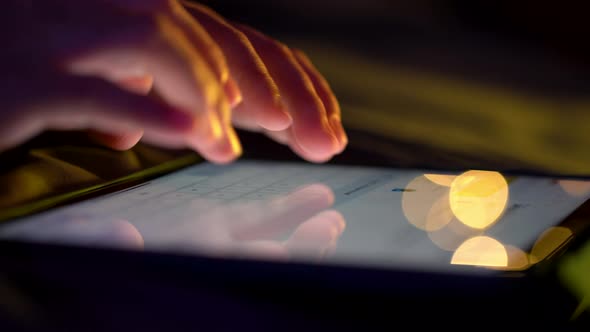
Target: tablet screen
326 214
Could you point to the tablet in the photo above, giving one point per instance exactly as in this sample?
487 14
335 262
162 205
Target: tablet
467 222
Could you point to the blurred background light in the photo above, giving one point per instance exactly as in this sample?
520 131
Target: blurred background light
478 198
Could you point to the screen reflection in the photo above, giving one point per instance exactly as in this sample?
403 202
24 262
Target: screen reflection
345 215
460 208
300 223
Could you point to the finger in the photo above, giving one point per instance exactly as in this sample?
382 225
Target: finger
283 136
193 30
124 141
232 90
327 96
196 34
218 142
117 141
180 74
316 237
201 40
261 104
286 137
208 47
222 152
138 84
310 125
181 77
76 102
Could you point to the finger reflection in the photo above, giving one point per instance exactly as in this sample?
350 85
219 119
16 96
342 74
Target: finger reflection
576 188
276 217
297 224
317 237
88 231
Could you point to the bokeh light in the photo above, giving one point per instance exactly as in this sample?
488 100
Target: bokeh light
450 237
441 179
481 251
478 198
548 242
426 205
518 259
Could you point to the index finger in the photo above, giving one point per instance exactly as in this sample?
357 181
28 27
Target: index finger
310 127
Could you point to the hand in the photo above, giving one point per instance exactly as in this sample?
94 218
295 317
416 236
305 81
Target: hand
284 95
176 75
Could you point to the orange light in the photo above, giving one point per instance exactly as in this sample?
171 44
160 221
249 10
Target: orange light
441 179
451 236
426 206
517 258
481 251
478 198
549 242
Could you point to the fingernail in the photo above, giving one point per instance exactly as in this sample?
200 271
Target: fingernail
288 120
339 132
219 114
211 126
234 142
224 110
283 119
140 85
333 136
233 93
